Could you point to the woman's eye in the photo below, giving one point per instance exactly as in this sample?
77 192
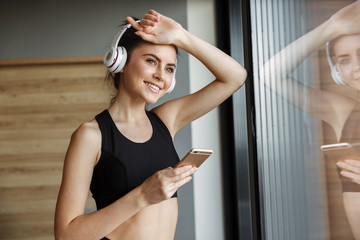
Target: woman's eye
170 70
344 61
151 61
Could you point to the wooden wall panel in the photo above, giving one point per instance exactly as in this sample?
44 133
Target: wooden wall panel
42 101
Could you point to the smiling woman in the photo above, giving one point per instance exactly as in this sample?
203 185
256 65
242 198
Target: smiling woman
126 154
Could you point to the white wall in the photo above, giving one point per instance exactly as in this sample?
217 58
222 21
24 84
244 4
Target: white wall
207 181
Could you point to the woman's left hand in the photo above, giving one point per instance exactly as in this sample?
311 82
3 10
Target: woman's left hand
350 169
156 28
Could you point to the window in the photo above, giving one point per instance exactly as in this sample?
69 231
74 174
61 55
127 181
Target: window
286 183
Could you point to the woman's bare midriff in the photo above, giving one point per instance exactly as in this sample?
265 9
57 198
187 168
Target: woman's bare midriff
154 222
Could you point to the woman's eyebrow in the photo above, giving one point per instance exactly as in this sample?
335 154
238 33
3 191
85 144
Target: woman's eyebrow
158 59
341 56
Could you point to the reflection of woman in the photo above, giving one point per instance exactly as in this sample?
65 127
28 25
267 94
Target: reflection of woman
342 113
124 154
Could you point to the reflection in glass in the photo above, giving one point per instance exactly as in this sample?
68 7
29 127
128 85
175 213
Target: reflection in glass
307 86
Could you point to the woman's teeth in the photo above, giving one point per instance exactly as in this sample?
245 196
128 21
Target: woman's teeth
153 86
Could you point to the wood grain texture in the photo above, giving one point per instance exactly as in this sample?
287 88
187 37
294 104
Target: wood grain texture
42 101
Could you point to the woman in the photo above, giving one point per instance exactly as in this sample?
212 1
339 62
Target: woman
341 33
147 205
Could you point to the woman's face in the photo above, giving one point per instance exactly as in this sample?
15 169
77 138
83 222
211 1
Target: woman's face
347 58
149 72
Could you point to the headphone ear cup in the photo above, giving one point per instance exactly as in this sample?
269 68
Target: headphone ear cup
335 73
110 57
119 61
115 58
172 86
173 81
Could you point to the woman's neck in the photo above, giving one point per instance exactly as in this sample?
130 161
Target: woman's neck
126 108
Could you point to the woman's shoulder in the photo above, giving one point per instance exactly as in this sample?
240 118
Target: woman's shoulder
88 131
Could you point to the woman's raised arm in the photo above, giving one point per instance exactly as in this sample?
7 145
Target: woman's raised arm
229 74
276 71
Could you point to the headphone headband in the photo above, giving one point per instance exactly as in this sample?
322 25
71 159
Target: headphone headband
120 34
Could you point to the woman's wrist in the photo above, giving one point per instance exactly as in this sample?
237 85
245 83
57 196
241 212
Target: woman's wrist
328 31
335 27
182 37
140 198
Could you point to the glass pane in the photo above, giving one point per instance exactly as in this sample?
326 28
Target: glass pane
301 105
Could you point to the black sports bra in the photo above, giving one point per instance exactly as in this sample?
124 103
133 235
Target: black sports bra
124 164
350 134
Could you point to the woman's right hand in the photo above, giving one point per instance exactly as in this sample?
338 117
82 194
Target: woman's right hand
350 168
157 28
164 183
347 19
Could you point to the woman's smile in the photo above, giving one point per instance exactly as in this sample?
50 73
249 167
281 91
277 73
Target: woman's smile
153 87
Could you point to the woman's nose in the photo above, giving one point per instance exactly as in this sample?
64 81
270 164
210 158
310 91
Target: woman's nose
158 74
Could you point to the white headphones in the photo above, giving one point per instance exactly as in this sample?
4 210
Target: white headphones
335 73
115 57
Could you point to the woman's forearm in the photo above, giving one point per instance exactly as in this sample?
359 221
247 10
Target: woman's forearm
221 65
284 62
100 223
345 21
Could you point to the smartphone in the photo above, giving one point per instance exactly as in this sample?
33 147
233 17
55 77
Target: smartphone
195 157
338 146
